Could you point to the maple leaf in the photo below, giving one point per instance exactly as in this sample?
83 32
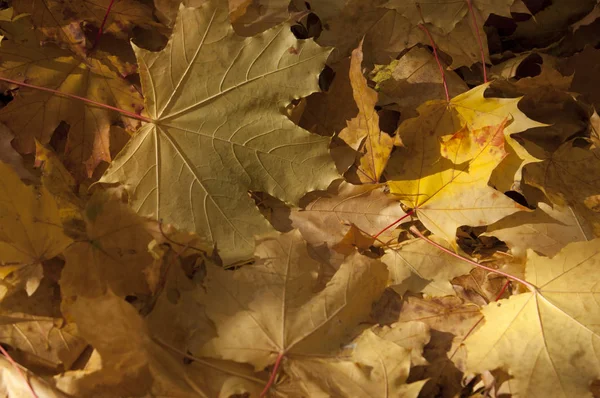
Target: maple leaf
217 131
114 251
548 338
34 328
568 177
61 20
415 78
450 321
376 367
447 196
365 206
546 230
36 113
433 268
363 133
275 307
445 14
133 363
30 231
387 33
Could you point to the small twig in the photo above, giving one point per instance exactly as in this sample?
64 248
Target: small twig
16 366
529 286
72 96
100 31
273 375
472 12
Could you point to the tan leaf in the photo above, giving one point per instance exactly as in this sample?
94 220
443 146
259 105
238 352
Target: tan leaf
546 230
548 338
276 310
419 258
377 367
412 80
196 176
326 219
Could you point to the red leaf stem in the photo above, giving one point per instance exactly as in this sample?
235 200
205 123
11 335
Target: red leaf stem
410 213
435 54
16 366
103 23
88 101
472 12
273 375
529 286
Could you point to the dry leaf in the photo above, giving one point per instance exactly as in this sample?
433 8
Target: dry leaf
196 175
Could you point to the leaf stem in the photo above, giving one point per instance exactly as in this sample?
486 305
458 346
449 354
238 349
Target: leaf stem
410 213
83 99
273 375
474 18
435 54
102 25
529 286
16 366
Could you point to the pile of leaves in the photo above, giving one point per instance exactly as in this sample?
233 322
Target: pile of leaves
343 198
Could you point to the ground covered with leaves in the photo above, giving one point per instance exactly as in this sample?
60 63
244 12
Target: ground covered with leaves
275 198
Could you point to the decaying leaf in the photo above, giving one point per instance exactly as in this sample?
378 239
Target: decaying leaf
225 134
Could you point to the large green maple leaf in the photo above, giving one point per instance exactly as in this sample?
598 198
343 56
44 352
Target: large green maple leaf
217 131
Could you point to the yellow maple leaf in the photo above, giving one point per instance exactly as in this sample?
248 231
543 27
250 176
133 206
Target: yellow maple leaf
548 339
445 196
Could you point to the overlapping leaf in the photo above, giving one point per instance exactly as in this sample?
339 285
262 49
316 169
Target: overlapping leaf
36 114
550 334
215 100
363 133
30 231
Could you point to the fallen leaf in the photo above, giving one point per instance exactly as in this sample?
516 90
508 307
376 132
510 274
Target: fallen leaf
446 14
30 232
363 133
417 257
526 334
9 156
450 320
546 230
133 363
197 176
446 196
60 20
250 17
377 367
568 178
113 255
412 80
327 218
276 310
35 114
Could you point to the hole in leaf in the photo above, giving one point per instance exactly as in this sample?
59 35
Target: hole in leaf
518 197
